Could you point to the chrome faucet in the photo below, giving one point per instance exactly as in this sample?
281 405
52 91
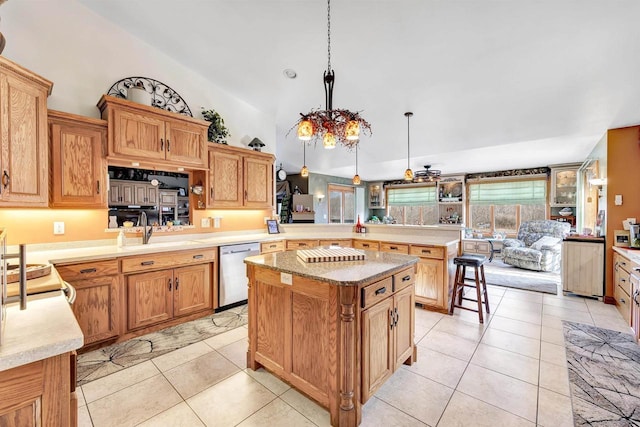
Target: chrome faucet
146 234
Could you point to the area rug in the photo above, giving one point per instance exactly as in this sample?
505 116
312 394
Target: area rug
500 274
604 376
107 360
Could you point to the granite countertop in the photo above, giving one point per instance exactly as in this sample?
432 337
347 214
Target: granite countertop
59 254
45 329
342 273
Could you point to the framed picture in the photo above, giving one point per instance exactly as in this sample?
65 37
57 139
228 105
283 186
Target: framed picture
182 192
272 227
621 238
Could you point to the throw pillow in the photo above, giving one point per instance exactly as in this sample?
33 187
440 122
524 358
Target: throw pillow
545 241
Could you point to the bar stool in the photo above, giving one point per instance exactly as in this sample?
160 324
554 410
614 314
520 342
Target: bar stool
462 262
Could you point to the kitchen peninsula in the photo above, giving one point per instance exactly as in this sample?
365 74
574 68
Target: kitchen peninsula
334 330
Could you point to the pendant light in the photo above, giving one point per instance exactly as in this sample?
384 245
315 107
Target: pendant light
304 172
408 174
356 177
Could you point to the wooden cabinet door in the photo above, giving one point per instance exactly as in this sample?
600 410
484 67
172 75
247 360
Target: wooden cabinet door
258 182
150 298
582 268
138 135
186 143
635 306
98 307
225 179
404 311
78 166
377 347
192 289
24 173
430 286
145 194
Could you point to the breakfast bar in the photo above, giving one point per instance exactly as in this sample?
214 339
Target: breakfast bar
334 330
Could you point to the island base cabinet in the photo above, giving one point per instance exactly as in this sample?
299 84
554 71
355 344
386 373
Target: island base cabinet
38 394
387 339
429 283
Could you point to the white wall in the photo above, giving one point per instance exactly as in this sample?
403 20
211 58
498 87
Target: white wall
84 55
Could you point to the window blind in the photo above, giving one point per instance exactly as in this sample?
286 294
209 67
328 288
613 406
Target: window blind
531 192
411 196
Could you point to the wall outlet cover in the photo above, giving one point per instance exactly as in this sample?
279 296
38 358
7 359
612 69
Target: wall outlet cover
205 222
216 222
58 227
617 200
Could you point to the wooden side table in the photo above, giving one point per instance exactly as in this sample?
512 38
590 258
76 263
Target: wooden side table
488 247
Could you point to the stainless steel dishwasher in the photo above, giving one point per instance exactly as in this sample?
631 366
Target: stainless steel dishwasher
232 286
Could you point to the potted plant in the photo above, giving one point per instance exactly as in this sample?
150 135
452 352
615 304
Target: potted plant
217 131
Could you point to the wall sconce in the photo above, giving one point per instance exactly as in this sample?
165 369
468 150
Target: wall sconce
320 198
599 182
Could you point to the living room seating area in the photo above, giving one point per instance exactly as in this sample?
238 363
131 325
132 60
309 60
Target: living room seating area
537 246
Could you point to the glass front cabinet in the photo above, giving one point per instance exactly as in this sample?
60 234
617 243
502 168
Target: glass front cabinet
376 195
564 185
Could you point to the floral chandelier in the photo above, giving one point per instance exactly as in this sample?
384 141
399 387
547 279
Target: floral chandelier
331 126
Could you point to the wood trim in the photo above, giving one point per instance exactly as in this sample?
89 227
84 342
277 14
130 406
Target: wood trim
108 100
26 74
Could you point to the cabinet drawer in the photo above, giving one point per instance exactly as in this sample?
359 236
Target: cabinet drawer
376 292
623 281
168 199
621 262
427 251
394 247
623 303
268 247
301 244
366 244
343 243
403 279
167 260
87 270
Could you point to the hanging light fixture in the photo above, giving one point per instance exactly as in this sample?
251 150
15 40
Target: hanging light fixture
304 172
331 126
408 174
356 177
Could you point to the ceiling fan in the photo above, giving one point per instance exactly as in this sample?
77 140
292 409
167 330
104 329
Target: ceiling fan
427 174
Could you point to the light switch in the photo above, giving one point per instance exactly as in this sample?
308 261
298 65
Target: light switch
216 222
58 227
617 200
205 222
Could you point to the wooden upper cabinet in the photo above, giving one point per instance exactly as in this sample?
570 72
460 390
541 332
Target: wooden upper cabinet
24 160
152 135
78 164
239 178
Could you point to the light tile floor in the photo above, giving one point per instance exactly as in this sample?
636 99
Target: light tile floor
511 371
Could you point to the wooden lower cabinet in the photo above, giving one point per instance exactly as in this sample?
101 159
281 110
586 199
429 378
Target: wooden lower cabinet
302 244
343 243
38 394
434 276
635 306
162 295
387 339
583 268
366 244
273 246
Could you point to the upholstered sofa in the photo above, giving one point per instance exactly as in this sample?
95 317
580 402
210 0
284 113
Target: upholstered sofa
537 247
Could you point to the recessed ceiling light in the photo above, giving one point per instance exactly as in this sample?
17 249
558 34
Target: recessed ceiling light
289 73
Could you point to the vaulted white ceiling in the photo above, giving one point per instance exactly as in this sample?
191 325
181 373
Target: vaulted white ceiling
493 84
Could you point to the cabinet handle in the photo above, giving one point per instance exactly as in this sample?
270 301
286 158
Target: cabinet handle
302 244
245 194
161 144
211 193
391 320
6 180
406 278
169 149
169 284
622 262
426 251
98 187
177 283
147 262
397 316
393 248
635 297
382 290
365 245
272 246
88 270
198 256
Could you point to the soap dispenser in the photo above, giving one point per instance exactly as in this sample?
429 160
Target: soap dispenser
121 239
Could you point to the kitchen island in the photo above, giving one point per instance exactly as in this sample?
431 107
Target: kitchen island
336 331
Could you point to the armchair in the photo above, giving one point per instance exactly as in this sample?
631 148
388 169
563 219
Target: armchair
537 247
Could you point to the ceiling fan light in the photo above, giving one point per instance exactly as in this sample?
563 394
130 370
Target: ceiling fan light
304 172
352 130
408 175
356 179
329 141
305 130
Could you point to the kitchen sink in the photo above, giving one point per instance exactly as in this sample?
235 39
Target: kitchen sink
175 245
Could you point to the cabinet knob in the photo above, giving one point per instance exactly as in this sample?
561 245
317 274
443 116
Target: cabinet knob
391 320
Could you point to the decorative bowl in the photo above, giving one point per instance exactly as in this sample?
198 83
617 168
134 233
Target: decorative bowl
565 213
128 224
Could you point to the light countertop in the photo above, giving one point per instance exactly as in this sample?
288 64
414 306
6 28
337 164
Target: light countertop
342 273
46 328
632 254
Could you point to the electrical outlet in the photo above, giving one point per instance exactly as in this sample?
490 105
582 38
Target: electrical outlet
205 222
58 227
216 222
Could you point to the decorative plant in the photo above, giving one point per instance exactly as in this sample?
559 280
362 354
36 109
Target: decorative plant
217 131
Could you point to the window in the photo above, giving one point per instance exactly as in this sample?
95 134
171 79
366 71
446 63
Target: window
413 205
342 204
503 206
